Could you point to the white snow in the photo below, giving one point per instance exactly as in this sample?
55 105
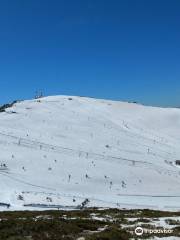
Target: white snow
166 238
59 151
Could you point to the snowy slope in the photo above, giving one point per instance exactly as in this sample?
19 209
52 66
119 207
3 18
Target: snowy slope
61 150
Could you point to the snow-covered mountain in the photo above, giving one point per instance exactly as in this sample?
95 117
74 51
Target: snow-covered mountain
62 150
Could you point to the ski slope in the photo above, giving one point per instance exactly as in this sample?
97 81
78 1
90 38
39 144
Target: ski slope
57 151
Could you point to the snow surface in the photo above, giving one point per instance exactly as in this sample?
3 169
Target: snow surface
60 150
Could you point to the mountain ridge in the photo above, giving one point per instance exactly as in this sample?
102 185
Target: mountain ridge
61 150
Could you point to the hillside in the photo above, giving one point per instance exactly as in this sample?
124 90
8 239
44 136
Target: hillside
58 151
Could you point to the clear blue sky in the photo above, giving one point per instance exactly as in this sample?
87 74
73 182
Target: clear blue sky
125 50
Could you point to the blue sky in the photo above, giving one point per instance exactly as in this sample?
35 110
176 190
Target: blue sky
124 50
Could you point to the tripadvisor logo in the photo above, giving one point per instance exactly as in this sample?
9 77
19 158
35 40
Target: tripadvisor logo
139 231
